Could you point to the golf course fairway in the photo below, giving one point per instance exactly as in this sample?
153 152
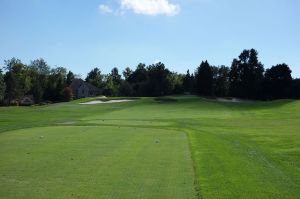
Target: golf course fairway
184 147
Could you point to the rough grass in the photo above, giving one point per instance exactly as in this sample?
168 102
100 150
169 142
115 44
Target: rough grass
239 150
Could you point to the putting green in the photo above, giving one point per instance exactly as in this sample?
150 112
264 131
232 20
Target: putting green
95 162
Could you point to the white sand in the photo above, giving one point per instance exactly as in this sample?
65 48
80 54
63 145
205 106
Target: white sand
101 97
234 100
105 102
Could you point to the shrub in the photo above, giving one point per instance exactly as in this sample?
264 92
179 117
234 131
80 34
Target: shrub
67 94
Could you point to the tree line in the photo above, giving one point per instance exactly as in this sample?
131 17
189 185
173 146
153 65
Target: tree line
246 78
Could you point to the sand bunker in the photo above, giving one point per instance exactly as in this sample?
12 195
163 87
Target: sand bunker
228 100
234 100
106 102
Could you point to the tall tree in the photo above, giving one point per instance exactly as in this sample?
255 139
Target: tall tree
175 82
222 82
2 87
138 80
113 82
277 82
188 82
127 73
40 66
139 75
70 78
56 84
234 79
116 77
109 88
204 79
39 73
159 83
10 63
95 78
246 76
295 89
125 89
251 74
16 79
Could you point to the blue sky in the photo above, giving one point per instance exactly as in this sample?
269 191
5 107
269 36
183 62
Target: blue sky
81 35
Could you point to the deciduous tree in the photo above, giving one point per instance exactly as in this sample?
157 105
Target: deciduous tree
17 79
277 82
246 76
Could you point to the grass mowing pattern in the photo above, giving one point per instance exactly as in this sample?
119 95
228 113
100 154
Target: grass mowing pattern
239 150
93 162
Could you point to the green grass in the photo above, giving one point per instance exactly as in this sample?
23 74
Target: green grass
93 162
175 147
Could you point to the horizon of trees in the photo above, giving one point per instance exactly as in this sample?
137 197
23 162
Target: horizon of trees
245 78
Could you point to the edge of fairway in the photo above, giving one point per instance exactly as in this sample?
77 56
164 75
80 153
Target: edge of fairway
196 180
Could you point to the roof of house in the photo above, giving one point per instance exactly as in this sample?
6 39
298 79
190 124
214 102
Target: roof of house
27 100
76 83
31 97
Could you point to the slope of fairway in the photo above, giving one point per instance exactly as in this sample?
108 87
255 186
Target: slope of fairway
93 162
239 150
253 155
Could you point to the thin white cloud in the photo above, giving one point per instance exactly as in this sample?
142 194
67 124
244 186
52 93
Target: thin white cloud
151 7
144 7
105 9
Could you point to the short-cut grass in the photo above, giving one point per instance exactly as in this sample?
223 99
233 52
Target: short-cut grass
93 162
174 147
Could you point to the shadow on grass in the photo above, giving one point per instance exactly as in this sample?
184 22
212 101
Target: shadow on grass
244 104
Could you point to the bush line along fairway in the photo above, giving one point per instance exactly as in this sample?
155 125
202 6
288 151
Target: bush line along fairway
174 147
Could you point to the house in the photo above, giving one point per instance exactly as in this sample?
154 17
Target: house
26 100
83 89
